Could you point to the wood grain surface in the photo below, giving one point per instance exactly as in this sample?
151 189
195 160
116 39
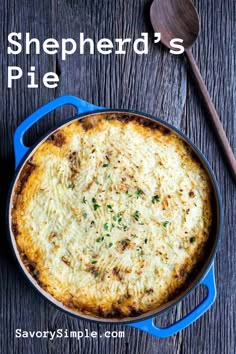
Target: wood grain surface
157 83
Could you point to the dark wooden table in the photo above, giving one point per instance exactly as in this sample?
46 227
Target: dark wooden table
159 84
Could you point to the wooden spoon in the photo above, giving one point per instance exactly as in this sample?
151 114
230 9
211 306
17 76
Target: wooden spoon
179 19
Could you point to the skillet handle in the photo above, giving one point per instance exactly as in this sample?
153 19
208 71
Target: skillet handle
148 325
82 107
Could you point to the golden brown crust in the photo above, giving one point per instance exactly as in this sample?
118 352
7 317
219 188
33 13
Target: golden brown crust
105 207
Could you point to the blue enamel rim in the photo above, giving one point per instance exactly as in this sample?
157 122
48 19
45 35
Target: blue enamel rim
199 278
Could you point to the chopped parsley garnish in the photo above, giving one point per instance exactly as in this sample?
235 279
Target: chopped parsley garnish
125 227
99 239
133 235
127 193
84 200
140 250
110 244
70 186
145 241
125 242
114 218
94 262
96 274
138 192
109 207
192 239
119 220
155 199
136 215
97 182
108 235
85 215
165 223
112 226
106 226
95 206
105 165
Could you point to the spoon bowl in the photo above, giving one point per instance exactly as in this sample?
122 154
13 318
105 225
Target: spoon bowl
175 19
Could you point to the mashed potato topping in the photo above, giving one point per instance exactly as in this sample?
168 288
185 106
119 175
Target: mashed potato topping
111 215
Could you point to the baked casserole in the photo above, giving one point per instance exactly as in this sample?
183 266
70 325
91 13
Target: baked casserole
111 215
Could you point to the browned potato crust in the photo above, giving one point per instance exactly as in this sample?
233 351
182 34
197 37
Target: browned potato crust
111 214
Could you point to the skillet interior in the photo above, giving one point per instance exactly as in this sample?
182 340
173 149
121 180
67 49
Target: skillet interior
210 247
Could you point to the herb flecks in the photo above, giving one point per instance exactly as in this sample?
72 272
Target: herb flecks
165 223
155 199
192 239
95 205
138 192
110 245
99 239
85 215
84 200
105 165
136 215
106 227
128 194
125 243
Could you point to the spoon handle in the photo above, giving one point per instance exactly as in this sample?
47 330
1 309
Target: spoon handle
219 130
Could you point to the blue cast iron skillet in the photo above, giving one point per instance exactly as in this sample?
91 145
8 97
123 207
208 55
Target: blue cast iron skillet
205 273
